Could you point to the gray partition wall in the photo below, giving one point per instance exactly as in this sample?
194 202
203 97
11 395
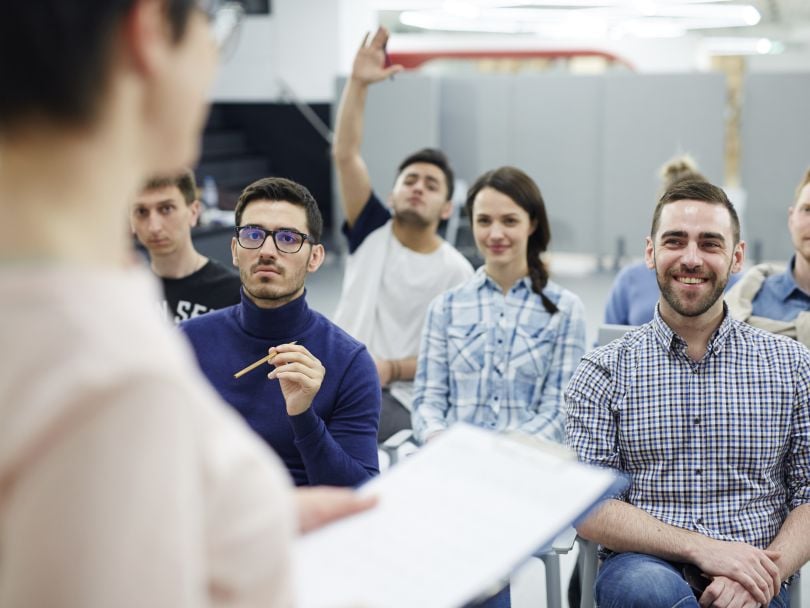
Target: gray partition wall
775 155
556 133
402 116
647 120
592 143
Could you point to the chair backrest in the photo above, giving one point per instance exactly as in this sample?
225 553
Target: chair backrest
608 332
796 589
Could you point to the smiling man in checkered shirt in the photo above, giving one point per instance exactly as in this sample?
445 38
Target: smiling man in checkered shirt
710 419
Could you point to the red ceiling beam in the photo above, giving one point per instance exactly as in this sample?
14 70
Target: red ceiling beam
414 59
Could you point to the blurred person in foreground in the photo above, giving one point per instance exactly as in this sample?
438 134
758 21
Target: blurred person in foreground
125 480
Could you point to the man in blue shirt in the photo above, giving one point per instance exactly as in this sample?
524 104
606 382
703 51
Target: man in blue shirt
319 405
775 298
710 419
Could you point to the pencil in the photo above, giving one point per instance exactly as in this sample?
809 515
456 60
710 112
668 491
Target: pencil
261 361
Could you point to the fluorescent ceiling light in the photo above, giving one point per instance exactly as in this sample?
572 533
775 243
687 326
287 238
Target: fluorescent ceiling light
741 46
640 18
405 5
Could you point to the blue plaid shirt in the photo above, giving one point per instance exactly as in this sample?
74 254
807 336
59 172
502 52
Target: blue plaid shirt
495 360
720 446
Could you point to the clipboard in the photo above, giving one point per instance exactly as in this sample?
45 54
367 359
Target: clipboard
452 520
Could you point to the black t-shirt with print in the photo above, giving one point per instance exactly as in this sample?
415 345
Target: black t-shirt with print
212 287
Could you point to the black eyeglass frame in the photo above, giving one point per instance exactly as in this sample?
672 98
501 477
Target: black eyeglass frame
304 237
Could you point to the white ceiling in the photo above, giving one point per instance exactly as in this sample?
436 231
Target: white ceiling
786 22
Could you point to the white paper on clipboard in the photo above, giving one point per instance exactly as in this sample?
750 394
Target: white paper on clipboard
452 520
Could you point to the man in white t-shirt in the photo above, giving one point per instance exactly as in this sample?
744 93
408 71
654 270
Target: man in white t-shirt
398 263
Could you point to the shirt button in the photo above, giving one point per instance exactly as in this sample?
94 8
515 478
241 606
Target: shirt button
501 314
697 471
700 520
500 341
697 419
496 398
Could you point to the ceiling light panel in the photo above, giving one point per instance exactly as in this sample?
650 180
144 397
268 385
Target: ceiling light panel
562 18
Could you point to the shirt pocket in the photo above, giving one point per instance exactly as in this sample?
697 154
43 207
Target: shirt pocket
530 360
466 348
532 350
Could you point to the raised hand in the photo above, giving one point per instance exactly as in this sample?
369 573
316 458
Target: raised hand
300 375
369 62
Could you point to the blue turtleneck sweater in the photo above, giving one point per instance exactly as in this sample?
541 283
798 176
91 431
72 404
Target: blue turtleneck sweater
335 441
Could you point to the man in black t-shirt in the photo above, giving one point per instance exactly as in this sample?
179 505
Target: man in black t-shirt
162 218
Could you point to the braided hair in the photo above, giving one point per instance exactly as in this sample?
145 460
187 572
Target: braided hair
518 186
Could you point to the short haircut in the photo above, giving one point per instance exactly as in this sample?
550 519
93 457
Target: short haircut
802 184
55 56
431 156
696 190
184 181
281 189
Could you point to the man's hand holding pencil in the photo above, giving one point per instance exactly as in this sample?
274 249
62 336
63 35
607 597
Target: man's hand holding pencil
298 371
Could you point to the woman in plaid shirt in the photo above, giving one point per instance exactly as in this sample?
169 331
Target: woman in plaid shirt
498 350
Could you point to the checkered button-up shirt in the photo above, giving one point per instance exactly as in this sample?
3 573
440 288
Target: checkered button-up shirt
720 446
498 361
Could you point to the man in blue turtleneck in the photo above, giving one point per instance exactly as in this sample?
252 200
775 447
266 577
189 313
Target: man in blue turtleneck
319 405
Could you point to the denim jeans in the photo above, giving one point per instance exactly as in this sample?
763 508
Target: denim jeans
629 580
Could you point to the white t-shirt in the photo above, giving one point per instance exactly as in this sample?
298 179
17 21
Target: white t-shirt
412 281
125 481
387 289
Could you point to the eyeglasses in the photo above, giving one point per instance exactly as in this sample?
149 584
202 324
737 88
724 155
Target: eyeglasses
287 241
225 18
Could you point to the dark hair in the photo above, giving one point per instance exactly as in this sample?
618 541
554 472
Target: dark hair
54 56
433 157
184 182
518 186
695 190
281 189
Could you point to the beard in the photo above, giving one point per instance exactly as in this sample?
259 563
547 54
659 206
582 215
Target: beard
273 293
691 307
409 217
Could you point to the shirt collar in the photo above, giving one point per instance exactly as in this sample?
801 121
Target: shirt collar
481 279
784 284
669 340
285 322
